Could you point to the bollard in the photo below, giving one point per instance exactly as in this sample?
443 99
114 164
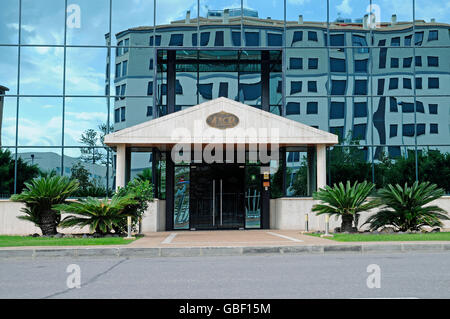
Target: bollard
327 227
306 222
129 227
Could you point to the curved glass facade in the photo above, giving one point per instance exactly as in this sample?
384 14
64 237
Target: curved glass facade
376 75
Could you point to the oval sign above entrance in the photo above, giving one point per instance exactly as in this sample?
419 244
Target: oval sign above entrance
222 120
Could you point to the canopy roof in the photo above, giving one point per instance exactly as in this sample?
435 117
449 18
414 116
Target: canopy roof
230 122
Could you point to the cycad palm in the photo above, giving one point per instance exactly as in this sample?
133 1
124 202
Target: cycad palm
39 197
101 215
346 202
404 207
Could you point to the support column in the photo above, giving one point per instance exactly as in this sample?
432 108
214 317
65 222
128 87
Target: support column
120 165
127 165
321 166
282 166
155 176
311 175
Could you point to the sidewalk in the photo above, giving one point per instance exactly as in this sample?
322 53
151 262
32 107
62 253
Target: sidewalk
223 243
229 238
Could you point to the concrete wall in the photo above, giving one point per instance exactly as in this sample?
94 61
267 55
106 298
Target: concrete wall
11 225
154 220
155 217
285 213
289 213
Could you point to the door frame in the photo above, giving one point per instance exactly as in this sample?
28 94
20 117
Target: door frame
170 207
214 189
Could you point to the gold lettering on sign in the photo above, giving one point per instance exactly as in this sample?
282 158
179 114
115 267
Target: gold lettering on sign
222 120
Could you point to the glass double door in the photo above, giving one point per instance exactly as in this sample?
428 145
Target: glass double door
217 198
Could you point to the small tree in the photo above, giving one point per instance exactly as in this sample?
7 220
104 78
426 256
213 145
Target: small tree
345 202
141 191
39 197
91 139
101 215
81 174
405 207
88 187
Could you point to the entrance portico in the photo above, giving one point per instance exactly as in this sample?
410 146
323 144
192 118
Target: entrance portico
220 158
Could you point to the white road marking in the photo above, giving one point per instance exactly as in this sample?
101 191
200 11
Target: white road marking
169 238
285 237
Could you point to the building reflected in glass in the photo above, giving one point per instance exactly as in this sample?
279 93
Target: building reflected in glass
380 81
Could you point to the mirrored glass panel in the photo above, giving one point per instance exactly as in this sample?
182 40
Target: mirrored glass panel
134 20
8 160
141 164
9 28
349 163
396 164
35 162
308 110
40 121
431 160
43 22
85 71
393 12
85 121
39 61
88 22
8 107
93 177
307 14
8 65
220 24
434 12
306 72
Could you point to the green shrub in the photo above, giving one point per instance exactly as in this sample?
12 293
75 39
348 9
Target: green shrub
39 197
345 202
142 193
404 207
101 215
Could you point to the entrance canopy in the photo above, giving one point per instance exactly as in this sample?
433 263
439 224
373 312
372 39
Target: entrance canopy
220 121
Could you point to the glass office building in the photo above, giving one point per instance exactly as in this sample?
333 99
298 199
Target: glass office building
377 76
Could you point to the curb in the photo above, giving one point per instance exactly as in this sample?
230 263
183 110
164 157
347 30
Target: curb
224 251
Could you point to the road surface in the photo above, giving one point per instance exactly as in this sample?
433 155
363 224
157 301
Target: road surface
403 275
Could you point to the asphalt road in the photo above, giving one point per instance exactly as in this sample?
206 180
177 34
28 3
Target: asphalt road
406 275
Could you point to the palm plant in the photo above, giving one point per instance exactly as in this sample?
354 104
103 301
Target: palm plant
39 197
345 202
404 207
142 192
101 215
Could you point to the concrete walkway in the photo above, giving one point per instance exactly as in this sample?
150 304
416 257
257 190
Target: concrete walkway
229 238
